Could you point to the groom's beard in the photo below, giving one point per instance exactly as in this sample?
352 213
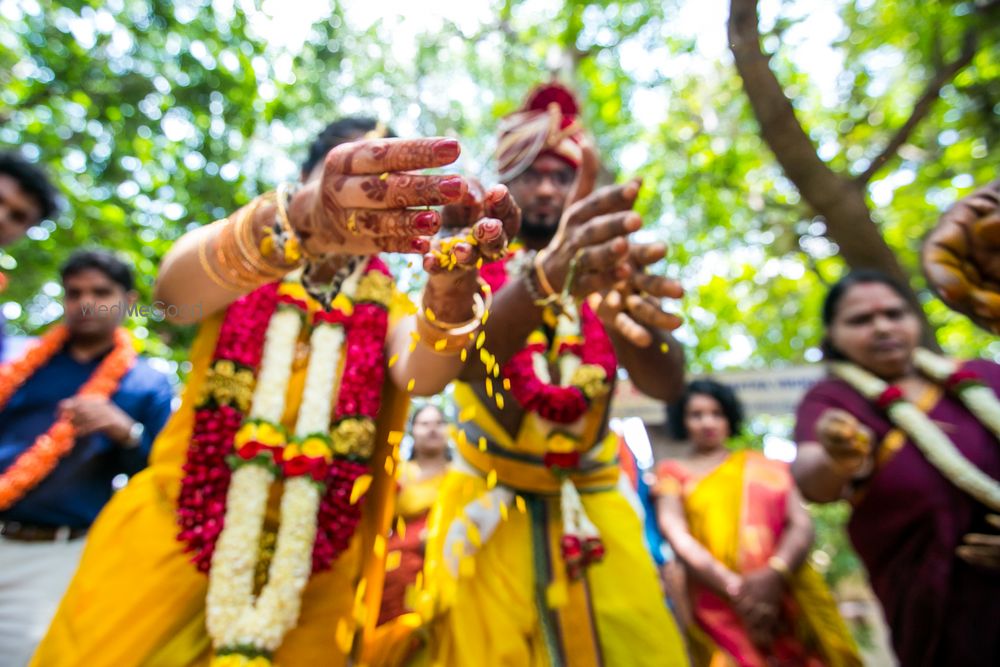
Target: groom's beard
538 229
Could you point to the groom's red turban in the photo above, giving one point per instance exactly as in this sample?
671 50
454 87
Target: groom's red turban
545 125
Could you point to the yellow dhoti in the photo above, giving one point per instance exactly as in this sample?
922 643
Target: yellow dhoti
510 602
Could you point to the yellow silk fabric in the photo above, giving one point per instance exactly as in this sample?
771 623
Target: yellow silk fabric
715 508
137 600
415 496
489 614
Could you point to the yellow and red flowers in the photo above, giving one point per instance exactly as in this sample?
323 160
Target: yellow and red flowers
221 512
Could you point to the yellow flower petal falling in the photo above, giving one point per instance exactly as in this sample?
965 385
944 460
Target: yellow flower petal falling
491 479
393 560
393 359
520 504
361 485
395 437
344 636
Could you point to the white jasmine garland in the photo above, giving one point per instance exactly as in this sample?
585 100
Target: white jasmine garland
276 611
927 436
276 365
321 375
231 578
978 398
568 326
234 618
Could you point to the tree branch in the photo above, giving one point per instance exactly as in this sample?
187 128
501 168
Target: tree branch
924 103
779 126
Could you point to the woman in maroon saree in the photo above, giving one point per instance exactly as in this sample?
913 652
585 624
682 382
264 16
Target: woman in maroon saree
932 555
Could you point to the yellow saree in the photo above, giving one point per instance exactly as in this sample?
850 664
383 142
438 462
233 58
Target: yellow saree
737 512
137 599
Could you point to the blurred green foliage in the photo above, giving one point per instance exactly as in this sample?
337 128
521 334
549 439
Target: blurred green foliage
154 116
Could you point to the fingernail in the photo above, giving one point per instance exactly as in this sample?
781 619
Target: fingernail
463 251
446 149
427 222
420 245
633 222
487 230
452 187
632 189
496 193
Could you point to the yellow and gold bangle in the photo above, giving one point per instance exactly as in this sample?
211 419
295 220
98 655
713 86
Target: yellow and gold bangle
292 249
206 265
233 264
451 338
543 280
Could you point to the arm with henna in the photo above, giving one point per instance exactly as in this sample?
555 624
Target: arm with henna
449 295
593 233
362 203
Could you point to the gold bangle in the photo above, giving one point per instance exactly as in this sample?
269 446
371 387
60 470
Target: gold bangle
206 265
778 564
293 250
448 338
232 263
248 246
543 280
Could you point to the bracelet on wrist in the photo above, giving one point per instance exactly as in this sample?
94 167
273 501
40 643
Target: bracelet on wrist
452 338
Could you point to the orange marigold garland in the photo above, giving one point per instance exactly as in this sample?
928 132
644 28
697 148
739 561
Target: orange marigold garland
36 462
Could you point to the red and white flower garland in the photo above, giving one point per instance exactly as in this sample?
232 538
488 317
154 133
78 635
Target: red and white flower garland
586 362
928 437
322 464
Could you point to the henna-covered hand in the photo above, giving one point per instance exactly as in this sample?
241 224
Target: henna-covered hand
453 261
634 307
593 233
366 201
961 257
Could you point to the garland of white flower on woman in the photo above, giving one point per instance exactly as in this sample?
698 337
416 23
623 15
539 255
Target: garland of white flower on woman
932 442
244 629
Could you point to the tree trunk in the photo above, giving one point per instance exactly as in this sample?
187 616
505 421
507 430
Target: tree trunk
838 199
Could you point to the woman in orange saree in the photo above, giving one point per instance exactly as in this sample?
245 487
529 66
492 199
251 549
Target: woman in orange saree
738 524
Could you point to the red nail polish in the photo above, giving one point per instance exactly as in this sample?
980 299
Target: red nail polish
427 222
446 149
421 245
452 187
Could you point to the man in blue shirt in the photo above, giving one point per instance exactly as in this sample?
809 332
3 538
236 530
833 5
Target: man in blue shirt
26 198
42 533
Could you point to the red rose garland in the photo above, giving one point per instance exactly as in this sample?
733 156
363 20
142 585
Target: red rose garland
202 500
201 505
559 404
562 405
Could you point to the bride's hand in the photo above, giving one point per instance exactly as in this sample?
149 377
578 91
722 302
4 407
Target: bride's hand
367 201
